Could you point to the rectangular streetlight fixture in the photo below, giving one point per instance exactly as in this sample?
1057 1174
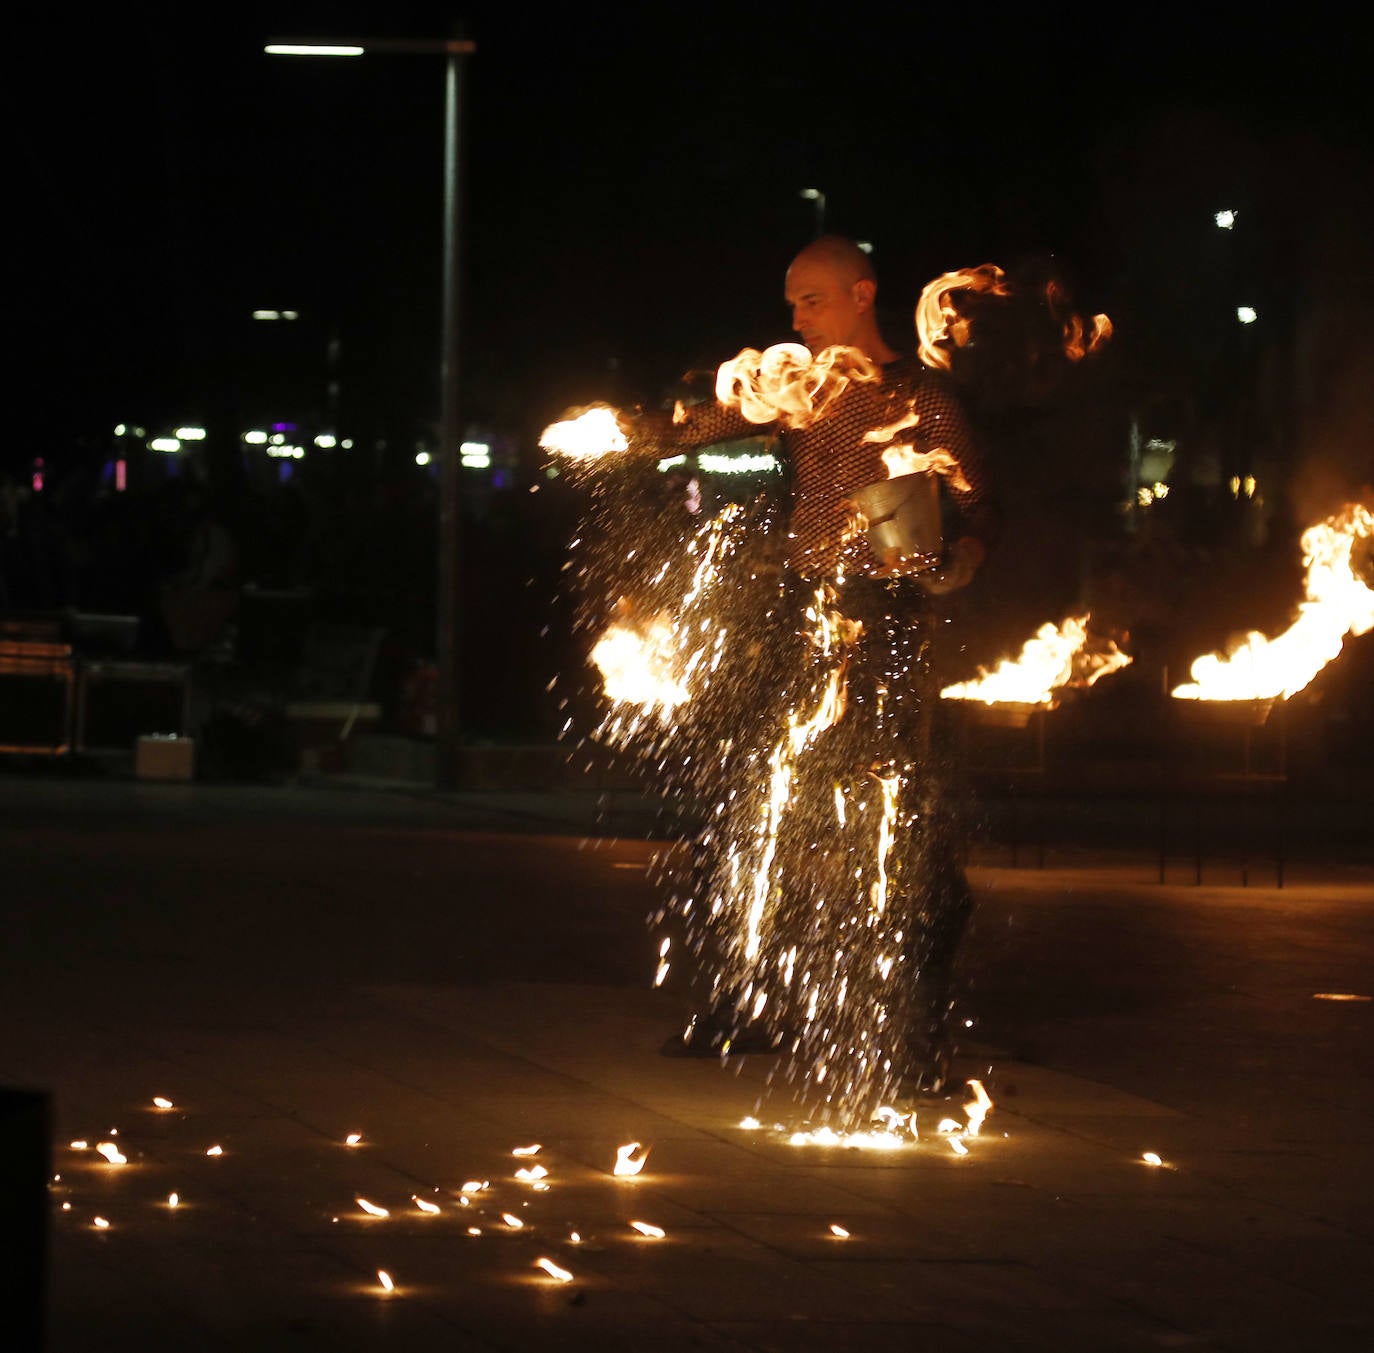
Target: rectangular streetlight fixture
450 518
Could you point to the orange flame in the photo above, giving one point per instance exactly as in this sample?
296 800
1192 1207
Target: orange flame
786 383
1338 603
902 460
588 435
630 1158
1077 343
1053 658
937 321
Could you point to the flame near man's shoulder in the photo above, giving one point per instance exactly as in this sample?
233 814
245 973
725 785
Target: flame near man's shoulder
786 384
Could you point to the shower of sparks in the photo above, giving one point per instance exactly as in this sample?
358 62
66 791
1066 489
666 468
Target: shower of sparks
812 896
648 1229
557 1273
1338 602
630 1158
371 1209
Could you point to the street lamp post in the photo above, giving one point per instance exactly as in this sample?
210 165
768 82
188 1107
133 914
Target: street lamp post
446 619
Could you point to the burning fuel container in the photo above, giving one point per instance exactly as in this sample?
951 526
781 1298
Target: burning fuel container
903 516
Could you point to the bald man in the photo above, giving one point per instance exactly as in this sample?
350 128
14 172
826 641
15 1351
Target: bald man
886 728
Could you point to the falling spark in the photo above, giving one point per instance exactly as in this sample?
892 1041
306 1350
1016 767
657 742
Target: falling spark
1338 603
553 1270
627 1162
353 1139
160 1102
958 1147
978 1108
99 1223
112 1153
384 1278
424 1205
648 1229
371 1209
526 1150
215 1151
1152 1158
534 1173
837 1230
174 1200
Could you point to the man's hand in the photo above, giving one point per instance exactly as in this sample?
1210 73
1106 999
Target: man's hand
965 557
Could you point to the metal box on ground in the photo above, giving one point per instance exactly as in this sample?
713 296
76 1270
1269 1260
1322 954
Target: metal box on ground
165 757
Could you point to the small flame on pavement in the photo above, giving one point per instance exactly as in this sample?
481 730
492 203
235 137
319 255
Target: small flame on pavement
1152 1158
649 1229
353 1139
530 1175
948 1125
371 1209
512 1221
174 1200
474 1230
215 1151
750 1124
838 1231
80 1145
626 1160
112 1153
574 1237
475 1185
1052 658
163 1103
99 1223
978 1108
526 1150
424 1205
553 1270
958 1147
384 1278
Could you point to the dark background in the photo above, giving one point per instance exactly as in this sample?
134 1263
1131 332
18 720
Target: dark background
632 182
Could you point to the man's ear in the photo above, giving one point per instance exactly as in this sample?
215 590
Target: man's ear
863 292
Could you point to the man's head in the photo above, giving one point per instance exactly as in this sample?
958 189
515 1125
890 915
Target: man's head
830 288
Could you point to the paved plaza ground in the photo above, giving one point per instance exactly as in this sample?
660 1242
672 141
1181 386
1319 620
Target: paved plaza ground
455 977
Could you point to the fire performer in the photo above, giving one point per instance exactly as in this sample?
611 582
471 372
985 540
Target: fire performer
843 923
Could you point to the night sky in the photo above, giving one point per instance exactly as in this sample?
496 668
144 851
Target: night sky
632 180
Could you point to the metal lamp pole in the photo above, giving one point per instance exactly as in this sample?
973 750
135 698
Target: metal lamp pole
447 606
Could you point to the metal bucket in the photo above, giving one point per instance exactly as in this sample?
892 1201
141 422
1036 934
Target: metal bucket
903 516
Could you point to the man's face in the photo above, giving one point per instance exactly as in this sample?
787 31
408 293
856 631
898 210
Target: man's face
825 308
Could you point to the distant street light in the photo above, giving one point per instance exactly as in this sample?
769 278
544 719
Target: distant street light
815 195
450 521
1246 314
1226 220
